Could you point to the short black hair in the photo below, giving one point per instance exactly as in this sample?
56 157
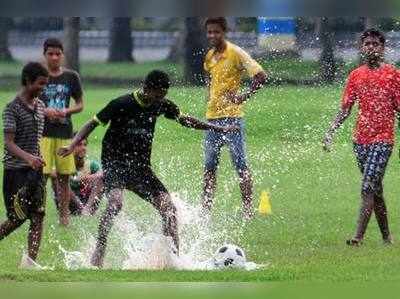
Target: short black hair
372 32
52 43
31 71
157 80
221 21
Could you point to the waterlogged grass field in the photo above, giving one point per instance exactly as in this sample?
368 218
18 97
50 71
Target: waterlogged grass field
314 196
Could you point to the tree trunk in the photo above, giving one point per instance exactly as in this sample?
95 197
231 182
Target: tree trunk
5 54
327 59
195 46
121 43
71 42
176 52
370 22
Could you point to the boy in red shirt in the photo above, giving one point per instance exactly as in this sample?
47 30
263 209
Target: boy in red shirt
375 86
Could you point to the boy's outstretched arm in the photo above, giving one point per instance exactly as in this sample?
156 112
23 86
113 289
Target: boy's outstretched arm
337 122
83 133
194 123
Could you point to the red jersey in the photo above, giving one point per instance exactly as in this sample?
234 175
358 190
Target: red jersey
377 92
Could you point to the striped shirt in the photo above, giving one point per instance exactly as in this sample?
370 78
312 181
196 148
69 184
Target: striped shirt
27 125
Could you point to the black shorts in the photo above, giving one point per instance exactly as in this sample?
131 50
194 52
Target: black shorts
23 193
140 180
372 160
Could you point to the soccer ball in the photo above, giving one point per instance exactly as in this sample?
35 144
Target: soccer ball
229 256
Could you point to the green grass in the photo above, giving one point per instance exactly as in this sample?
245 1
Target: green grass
298 69
315 196
277 68
105 70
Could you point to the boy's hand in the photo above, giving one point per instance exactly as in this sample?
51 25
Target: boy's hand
52 113
35 162
236 98
228 129
62 113
65 151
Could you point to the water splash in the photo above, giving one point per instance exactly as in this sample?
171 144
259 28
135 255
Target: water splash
142 245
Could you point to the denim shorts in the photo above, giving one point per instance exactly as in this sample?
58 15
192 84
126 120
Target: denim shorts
372 160
234 140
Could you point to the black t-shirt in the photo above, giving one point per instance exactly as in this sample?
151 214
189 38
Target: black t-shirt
128 140
57 95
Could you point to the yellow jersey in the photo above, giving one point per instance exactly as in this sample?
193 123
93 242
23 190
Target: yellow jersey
226 70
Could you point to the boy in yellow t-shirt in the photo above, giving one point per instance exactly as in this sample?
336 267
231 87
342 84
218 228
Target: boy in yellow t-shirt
225 64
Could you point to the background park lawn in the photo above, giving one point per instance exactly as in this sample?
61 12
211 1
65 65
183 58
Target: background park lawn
286 69
314 195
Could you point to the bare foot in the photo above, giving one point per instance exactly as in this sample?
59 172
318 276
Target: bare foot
354 242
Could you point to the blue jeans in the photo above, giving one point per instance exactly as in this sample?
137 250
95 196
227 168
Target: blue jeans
234 140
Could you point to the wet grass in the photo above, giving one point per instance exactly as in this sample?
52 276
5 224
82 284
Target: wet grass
314 196
278 69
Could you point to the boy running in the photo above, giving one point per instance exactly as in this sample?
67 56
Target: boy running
126 152
375 86
23 188
225 63
63 85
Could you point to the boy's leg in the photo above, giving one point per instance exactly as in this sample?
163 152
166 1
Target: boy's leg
377 157
114 206
361 153
163 203
383 154
381 215
146 185
35 235
12 182
97 189
76 206
8 226
367 206
237 150
212 148
210 185
54 187
65 166
64 197
246 188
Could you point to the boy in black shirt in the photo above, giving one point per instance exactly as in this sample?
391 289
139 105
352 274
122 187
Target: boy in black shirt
126 151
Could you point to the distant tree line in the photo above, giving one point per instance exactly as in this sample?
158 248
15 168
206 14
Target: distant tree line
191 45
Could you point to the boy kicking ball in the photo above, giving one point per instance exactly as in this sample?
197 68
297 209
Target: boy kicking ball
126 152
